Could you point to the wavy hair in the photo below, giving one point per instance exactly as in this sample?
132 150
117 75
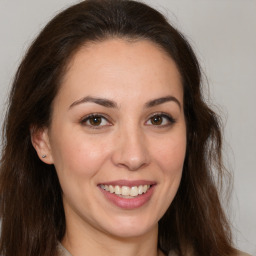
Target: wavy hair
31 208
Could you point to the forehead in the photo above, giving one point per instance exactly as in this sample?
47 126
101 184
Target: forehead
119 65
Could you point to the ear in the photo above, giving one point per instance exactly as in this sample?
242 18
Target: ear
41 143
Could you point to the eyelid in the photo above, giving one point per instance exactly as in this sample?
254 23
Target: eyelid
84 119
169 117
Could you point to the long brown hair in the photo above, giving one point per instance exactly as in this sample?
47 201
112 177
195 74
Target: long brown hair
32 214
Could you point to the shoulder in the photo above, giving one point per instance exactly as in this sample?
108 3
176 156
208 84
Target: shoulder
62 251
239 253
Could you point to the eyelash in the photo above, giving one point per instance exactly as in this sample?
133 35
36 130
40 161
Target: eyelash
91 116
169 118
86 119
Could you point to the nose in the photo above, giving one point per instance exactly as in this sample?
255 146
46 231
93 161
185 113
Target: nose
131 150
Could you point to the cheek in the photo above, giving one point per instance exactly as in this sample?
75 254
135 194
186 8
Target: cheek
171 155
78 155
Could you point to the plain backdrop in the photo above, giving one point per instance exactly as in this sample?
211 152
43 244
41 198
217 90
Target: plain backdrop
223 34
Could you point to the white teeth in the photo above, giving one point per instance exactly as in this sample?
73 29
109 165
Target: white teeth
145 188
134 191
111 189
140 190
126 191
118 190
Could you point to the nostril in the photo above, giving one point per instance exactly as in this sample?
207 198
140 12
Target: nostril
131 163
131 150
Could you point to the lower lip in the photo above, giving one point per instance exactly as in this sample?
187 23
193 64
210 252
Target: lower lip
129 203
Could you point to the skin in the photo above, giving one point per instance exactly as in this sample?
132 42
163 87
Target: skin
127 144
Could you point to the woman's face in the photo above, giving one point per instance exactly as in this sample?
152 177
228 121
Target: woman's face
118 137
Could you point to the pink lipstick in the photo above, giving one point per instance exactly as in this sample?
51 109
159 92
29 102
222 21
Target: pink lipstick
128 194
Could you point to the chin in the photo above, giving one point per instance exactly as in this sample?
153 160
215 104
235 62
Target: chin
130 227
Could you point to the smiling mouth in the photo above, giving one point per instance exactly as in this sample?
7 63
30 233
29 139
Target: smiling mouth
125 191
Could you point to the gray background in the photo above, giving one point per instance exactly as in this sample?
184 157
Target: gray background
223 34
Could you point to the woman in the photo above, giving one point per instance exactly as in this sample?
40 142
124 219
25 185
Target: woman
109 147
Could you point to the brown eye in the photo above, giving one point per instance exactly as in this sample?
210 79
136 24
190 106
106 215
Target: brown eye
156 120
95 120
161 120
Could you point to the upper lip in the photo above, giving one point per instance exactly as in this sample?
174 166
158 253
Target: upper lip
128 183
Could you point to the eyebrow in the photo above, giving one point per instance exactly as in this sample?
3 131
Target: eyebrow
111 104
100 101
162 100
